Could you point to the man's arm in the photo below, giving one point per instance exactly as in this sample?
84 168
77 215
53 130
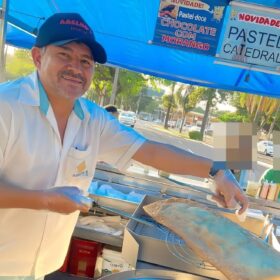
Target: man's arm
177 161
171 159
53 199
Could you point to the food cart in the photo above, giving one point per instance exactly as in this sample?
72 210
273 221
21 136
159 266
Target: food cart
154 247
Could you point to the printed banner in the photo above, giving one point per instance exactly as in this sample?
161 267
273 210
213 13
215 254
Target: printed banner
190 25
252 36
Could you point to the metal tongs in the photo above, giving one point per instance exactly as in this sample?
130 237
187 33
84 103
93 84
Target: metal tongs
92 203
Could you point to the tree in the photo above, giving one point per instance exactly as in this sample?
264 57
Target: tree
151 105
276 115
130 88
146 103
212 97
20 64
237 100
187 99
233 117
169 103
260 108
101 84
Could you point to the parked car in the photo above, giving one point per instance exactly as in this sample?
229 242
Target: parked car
265 147
157 121
194 128
127 118
171 124
208 131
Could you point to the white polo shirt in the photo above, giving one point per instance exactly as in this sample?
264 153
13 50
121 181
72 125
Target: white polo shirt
32 156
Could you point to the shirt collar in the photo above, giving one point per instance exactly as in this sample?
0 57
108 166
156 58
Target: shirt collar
44 103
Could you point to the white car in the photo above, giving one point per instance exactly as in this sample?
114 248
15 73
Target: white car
265 147
127 118
194 128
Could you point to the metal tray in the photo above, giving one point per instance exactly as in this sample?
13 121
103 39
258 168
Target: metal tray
150 274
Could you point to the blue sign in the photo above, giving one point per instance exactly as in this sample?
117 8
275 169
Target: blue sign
190 25
251 36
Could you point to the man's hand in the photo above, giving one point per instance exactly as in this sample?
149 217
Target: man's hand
64 200
228 191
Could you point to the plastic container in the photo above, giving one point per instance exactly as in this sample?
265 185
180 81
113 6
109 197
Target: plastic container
264 190
253 188
277 195
272 191
83 255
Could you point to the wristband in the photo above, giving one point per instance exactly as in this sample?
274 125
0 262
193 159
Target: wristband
213 171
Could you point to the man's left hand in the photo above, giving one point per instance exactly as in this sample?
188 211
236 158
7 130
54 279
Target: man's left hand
228 192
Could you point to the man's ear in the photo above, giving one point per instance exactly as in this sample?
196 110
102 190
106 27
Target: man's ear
36 56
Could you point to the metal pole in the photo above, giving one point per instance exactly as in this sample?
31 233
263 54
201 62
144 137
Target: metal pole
3 27
115 85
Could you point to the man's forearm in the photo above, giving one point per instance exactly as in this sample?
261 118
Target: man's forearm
15 197
172 159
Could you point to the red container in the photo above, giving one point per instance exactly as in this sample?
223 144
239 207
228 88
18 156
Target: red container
83 255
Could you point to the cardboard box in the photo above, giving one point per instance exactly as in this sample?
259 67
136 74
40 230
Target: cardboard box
158 246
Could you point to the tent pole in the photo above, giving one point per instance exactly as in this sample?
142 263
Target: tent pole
3 27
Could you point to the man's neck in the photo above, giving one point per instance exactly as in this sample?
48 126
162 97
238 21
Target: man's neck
62 109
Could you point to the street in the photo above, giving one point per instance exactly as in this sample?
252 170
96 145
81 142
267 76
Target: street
155 132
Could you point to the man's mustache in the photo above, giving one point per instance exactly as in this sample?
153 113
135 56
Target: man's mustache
71 74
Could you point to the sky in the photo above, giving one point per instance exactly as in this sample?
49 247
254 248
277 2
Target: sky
225 107
220 106
10 49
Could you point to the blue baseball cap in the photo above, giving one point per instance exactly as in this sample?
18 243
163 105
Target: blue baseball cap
64 28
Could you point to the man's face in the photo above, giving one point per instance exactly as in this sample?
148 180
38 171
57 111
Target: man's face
65 71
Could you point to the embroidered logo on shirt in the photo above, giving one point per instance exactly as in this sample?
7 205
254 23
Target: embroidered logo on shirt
81 170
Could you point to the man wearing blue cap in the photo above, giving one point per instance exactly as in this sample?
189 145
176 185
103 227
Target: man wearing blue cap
51 139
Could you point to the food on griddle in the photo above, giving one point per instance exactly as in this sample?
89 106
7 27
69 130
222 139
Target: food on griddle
237 253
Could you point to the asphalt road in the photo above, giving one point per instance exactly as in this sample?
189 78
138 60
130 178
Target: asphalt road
155 132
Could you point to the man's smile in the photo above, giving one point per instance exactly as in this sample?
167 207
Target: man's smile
73 79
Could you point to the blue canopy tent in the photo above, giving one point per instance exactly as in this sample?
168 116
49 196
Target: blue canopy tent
19 38
125 28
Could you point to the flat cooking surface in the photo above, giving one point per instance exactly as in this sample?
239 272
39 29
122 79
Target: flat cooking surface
149 274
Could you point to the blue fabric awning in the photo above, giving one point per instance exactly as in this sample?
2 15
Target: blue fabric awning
125 28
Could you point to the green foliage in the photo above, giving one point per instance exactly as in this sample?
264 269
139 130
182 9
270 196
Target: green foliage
211 95
186 98
195 135
193 98
198 110
168 101
208 94
233 117
261 110
20 64
101 84
130 87
147 104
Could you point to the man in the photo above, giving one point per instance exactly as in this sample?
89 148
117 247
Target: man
50 142
112 109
